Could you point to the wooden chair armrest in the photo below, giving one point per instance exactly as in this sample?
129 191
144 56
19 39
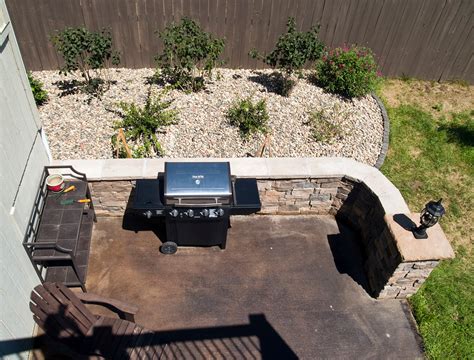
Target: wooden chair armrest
125 311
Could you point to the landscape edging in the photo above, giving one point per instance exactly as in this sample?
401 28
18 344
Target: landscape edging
386 133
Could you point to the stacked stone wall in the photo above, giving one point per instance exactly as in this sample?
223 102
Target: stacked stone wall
111 197
407 279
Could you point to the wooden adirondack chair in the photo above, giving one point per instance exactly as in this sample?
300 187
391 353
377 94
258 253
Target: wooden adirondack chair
63 316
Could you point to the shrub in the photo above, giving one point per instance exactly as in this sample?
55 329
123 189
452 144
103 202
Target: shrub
350 72
292 51
86 51
249 117
324 124
40 95
189 55
140 124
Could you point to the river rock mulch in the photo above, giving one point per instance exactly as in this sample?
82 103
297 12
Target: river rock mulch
77 129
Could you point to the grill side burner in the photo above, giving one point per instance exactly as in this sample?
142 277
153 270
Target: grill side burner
196 200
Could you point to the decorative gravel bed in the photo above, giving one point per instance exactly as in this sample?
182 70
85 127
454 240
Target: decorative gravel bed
76 129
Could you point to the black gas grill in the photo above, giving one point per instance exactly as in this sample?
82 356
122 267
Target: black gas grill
196 199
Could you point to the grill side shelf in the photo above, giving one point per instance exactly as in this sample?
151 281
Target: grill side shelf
246 197
148 194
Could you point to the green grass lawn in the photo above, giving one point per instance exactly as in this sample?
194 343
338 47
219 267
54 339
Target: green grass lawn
430 159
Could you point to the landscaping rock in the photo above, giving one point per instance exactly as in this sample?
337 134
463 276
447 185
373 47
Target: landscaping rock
78 129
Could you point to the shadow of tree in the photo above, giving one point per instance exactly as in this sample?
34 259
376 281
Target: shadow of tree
95 88
462 134
68 87
272 82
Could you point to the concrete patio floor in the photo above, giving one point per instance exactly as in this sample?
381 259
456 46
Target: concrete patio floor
285 287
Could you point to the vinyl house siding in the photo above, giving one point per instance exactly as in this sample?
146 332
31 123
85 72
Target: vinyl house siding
22 158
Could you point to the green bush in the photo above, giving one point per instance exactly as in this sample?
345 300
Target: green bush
86 51
140 124
40 95
292 51
350 72
324 124
189 55
249 117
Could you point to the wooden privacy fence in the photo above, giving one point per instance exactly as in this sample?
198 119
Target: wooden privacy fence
428 39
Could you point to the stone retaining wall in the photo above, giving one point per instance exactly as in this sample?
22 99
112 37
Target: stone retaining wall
407 278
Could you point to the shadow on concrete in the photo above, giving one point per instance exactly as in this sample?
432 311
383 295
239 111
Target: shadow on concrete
404 221
348 255
133 221
255 340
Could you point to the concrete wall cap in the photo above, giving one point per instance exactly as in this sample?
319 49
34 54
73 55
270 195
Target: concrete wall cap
435 247
262 168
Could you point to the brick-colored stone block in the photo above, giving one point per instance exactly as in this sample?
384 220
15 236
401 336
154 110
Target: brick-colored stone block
283 185
332 184
306 185
425 264
286 208
302 193
263 185
268 210
320 198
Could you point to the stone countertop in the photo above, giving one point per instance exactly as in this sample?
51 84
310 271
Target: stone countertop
435 247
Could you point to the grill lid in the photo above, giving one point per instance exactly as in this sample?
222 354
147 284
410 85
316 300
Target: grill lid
197 180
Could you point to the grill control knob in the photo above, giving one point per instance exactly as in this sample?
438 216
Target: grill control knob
190 213
148 214
205 213
174 213
220 212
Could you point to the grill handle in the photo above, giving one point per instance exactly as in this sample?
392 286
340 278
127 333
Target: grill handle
197 205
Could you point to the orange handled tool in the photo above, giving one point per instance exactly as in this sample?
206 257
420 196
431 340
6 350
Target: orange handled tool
70 188
72 201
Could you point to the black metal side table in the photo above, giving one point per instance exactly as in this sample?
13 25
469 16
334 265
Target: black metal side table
59 235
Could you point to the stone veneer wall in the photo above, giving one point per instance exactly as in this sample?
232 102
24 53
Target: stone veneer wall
348 199
111 197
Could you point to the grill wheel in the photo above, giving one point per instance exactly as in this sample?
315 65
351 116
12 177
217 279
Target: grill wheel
169 248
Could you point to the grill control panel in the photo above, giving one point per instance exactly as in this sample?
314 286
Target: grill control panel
152 213
193 213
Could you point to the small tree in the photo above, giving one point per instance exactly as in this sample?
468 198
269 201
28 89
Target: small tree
86 51
189 54
292 51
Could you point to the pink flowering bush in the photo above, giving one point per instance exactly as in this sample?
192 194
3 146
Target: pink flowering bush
350 72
